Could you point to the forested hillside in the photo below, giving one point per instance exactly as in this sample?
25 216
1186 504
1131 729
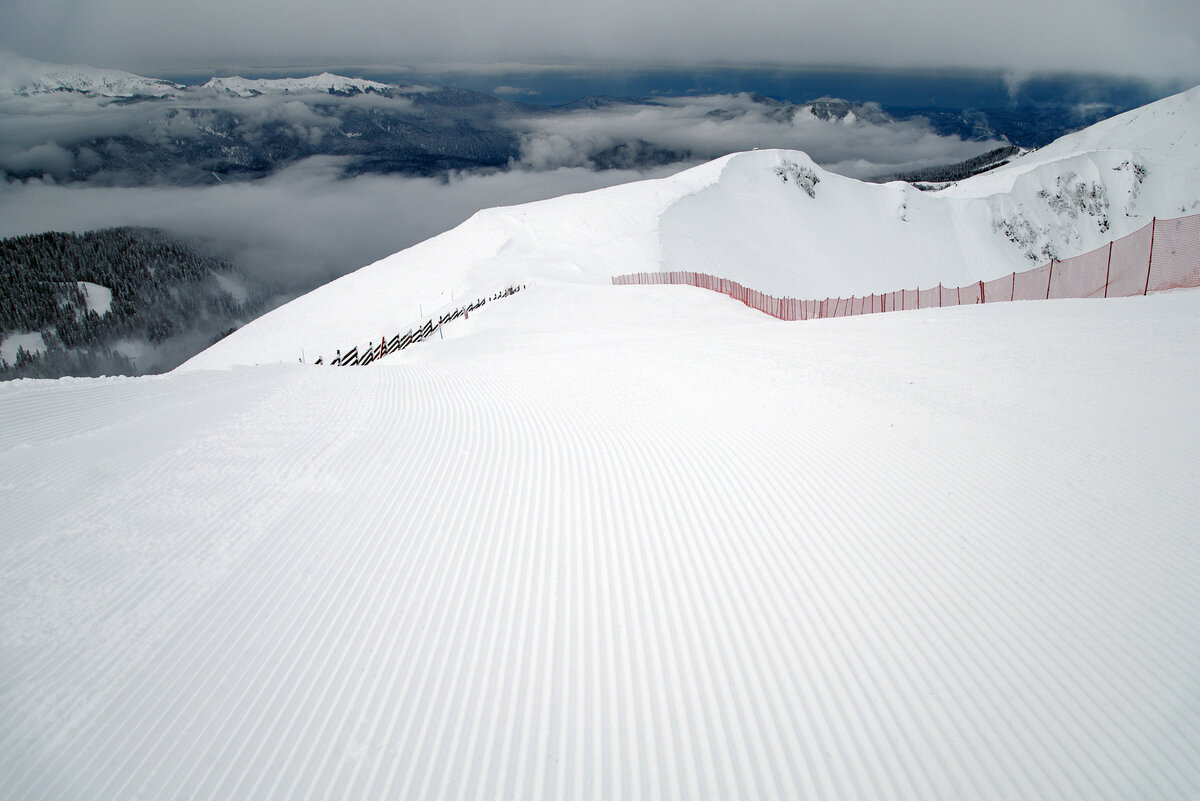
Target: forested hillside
119 300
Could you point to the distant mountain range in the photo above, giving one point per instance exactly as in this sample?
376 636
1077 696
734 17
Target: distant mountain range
130 130
123 129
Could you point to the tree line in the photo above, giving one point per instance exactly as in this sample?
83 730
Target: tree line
162 289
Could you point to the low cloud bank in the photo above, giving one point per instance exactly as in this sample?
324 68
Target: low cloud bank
302 227
860 141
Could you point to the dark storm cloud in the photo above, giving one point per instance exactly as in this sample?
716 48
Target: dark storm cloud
1148 38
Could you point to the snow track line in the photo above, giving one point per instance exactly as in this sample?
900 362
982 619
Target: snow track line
163 708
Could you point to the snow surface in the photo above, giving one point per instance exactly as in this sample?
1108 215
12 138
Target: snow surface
626 541
325 82
99 298
616 542
34 343
25 76
737 218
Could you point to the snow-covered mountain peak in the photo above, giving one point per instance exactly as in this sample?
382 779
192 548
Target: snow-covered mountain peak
24 76
326 82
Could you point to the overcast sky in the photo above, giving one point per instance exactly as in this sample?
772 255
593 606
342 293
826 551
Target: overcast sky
1147 38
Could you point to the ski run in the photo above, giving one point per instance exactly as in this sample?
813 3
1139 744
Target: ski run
640 542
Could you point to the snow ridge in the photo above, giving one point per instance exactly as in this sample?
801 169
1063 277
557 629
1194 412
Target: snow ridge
325 82
23 76
27 77
772 220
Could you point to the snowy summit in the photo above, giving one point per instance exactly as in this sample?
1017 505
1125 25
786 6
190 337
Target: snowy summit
325 82
25 77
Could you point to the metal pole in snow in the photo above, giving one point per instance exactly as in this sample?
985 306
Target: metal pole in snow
1150 261
1108 268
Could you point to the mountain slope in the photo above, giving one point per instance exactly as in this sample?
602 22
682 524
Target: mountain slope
26 77
325 82
620 542
126 300
772 220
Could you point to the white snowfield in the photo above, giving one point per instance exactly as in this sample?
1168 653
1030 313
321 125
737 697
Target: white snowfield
632 542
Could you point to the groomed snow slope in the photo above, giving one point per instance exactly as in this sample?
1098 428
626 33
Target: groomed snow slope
620 542
739 218
637 542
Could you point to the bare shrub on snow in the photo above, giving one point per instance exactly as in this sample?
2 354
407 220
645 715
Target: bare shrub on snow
802 177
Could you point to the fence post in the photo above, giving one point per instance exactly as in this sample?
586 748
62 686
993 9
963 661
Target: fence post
1013 295
1150 260
939 294
1108 268
918 297
982 299
1050 278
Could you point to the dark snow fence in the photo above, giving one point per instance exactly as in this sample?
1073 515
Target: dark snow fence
355 357
1163 255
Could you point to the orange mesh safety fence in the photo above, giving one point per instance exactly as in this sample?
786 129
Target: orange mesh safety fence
1163 255
1175 261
